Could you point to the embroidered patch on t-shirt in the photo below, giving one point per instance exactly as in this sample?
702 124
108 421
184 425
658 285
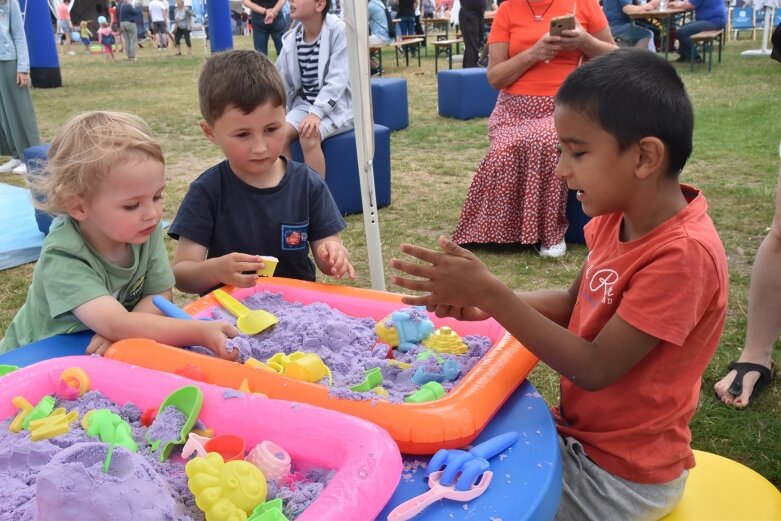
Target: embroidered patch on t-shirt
294 236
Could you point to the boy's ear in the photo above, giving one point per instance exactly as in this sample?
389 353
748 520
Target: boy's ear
652 157
207 131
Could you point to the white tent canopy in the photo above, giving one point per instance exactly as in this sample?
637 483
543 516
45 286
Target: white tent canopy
355 15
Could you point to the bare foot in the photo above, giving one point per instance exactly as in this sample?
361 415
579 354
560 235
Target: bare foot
749 381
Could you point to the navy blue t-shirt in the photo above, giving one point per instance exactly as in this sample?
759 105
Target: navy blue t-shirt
226 215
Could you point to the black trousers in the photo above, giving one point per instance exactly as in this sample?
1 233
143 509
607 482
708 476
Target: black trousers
472 26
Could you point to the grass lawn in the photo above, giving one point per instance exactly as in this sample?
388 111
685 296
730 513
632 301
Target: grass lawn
735 162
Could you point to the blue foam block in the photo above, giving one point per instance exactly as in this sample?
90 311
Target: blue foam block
465 93
20 238
577 219
52 347
35 157
389 102
341 169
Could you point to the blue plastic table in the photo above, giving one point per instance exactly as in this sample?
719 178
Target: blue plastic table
52 347
527 477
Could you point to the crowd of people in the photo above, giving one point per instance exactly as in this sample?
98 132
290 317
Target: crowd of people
574 112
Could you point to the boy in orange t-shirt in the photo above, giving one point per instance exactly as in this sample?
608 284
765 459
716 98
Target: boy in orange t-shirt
633 334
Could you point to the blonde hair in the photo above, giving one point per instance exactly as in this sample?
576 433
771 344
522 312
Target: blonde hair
84 151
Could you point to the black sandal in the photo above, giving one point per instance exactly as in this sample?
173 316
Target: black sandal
765 375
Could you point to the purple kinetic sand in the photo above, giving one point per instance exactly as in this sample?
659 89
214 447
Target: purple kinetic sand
62 477
167 426
346 344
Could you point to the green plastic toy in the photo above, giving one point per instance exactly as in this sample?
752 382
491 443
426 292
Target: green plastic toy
268 511
371 379
428 392
189 400
110 428
42 410
5 369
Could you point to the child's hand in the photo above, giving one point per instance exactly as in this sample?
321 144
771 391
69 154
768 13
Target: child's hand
334 259
213 335
230 268
457 312
452 279
310 126
98 345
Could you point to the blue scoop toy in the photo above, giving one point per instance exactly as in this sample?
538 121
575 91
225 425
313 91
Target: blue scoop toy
169 309
470 464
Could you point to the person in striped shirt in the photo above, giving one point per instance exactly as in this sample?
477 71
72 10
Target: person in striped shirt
313 65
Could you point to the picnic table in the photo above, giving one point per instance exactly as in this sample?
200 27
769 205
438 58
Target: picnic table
665 16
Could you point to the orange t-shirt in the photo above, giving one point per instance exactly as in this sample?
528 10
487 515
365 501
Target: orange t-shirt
514 24
671 284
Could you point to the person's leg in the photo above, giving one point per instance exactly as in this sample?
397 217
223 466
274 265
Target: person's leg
470 22
131 39
685 33
589 492
312 149
188 42
764 311
178 41
407 25
68 42
291 134
18 125
277 30
260 35
129 36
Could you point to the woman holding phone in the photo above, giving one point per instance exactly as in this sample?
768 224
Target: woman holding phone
515 196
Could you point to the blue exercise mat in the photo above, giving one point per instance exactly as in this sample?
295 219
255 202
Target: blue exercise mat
20 238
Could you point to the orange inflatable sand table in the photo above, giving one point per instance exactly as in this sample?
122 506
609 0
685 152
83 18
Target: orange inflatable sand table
419 428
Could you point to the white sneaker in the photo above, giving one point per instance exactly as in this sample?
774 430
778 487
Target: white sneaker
9 166
555 251
21 169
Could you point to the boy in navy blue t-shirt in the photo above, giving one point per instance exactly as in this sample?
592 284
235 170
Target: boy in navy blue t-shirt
256 202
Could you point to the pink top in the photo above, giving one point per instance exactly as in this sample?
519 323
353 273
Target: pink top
104 31
63 13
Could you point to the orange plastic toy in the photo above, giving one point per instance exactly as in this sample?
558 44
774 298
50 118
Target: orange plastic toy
418 428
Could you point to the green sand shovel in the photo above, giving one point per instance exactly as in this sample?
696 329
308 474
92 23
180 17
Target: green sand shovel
189 400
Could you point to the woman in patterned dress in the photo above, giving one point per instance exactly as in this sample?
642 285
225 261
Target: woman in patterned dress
515 196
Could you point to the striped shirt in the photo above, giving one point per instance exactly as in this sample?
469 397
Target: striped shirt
307 61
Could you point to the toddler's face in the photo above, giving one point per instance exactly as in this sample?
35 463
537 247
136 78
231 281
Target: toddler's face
251 142
127 207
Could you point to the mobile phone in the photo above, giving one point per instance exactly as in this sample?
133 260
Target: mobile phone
561 23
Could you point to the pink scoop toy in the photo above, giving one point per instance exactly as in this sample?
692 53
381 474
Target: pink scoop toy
414 506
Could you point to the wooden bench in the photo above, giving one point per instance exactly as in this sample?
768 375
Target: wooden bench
406 37
706 38
375 51
445 47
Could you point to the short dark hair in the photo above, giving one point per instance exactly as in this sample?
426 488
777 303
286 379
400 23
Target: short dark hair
632 94
241 79
327 8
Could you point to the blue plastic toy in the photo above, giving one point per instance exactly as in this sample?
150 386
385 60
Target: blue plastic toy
169 309
448 371
470 464
402 330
